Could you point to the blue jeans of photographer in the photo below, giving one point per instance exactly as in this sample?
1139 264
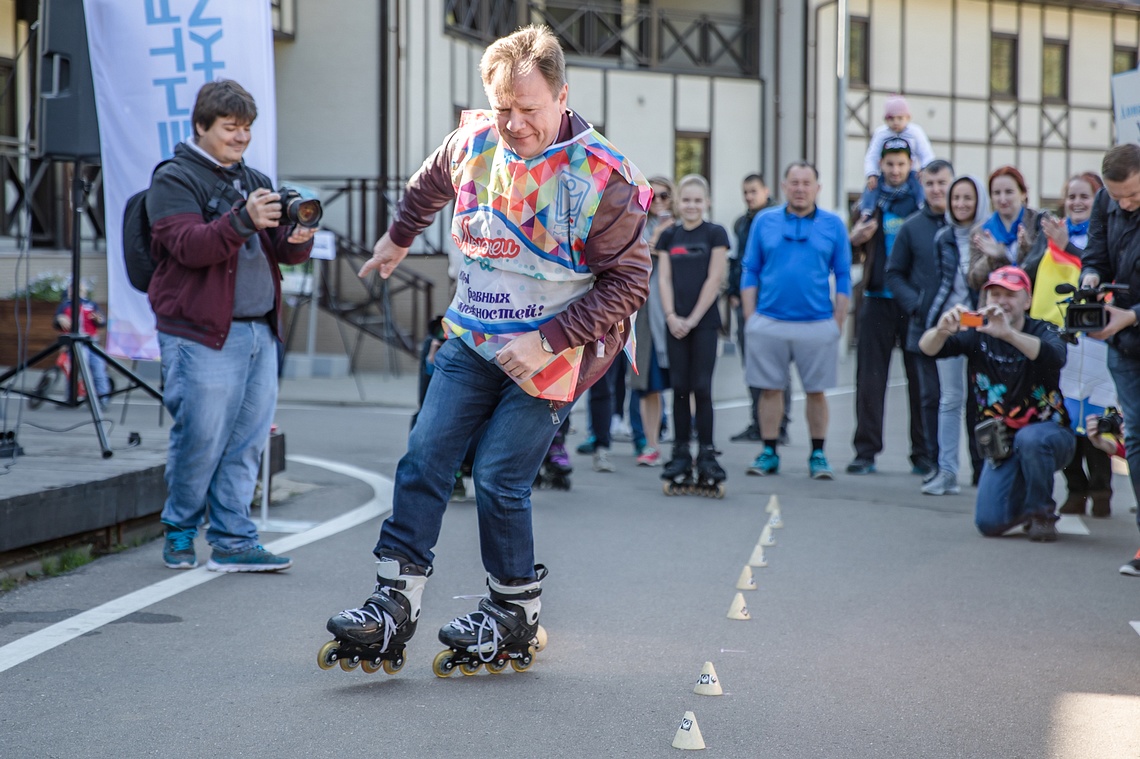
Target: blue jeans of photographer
1021 486
1126 374
222 404
467 391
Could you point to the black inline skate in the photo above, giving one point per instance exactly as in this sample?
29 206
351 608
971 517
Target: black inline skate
556 467
503 631
374 635
710 474
677 476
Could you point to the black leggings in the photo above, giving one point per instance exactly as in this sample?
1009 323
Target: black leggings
691 362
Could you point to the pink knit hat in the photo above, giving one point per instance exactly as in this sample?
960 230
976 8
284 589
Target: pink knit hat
896 106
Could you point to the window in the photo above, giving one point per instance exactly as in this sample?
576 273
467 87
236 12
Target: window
1055 71
1123 59
691 155
859 53
1003 66
7 98
284 15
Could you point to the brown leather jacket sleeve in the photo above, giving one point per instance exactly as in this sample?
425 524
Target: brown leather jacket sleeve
429 190
619 259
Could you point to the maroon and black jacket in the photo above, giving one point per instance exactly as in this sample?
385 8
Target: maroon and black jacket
192 290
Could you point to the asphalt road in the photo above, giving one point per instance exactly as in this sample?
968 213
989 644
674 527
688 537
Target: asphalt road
883 626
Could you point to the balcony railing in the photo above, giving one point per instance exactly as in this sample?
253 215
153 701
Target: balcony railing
611 34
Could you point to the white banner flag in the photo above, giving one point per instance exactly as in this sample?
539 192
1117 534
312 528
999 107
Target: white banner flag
149 58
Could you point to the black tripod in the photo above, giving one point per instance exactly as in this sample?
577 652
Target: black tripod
77 344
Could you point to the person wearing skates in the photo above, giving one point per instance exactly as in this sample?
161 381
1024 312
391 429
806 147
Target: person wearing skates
541 311
693 259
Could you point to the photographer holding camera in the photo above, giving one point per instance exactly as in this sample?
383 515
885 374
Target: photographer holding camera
216 295
1014 367
1113 255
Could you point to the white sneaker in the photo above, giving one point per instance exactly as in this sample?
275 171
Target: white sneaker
602 461
944 483
620 430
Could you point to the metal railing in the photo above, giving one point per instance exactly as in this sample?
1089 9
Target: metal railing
607 33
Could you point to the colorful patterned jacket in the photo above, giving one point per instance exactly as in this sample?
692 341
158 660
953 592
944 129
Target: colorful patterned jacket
553 242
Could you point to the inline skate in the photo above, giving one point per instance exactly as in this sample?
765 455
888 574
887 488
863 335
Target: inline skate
710 474
374 635
677 476
556 467
504 630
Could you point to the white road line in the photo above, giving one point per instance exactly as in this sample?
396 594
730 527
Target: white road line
1135 626
44 640
1071 524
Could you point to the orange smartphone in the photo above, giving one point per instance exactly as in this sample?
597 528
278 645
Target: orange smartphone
971 319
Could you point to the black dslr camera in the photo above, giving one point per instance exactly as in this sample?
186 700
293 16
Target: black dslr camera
994 439
1086 311
1110 423
304 212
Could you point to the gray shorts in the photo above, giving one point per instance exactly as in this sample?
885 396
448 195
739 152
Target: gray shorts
770 346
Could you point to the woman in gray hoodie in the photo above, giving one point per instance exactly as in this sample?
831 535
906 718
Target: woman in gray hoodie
967 209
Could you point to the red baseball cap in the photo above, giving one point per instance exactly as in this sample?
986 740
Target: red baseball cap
1009 277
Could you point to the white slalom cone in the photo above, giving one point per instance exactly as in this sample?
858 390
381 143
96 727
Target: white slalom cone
707 683
738 610
757 559
745 581
773 504
766 538
688 735
776 522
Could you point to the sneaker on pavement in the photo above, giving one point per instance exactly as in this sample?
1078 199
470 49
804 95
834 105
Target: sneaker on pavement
620 430
587 445
1042 529
924 468
749 434
943 483
768 462
255 559
861 466
178 551
819 468
1132 568
649 457
602 461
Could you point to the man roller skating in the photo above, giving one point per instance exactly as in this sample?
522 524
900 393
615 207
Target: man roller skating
540 312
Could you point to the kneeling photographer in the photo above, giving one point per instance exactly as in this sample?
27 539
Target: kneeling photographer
1014 368
1113 255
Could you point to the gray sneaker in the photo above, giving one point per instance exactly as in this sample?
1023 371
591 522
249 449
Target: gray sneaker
602 461
255 559
944 483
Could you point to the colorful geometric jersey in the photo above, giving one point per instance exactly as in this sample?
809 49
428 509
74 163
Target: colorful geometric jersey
522 226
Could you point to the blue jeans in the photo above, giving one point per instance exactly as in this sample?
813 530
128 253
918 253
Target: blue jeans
222 404
951 404
1022 486
1126 374
466 391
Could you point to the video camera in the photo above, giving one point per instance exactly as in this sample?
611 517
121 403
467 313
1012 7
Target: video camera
1086 310
302 211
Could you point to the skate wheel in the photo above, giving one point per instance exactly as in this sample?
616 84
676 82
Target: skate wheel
392 667
720 490
539 639
444 663
348 664
523 664
326 657
668 488
371 667
496 666
469 668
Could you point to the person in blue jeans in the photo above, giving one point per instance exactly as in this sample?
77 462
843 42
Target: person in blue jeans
1014 365
216 295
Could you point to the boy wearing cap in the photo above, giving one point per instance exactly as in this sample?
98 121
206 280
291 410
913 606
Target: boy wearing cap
896 115
882 321
1014 366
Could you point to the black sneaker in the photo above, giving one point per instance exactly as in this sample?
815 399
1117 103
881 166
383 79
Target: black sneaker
1132 568
1042 530
750 435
